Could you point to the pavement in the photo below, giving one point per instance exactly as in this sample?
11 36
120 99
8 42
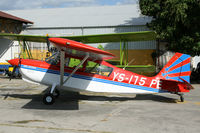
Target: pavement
22 111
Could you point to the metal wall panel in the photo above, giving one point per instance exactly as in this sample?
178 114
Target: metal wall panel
133 45
92 30
89 30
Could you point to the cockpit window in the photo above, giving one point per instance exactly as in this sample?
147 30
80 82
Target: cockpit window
88 67
74 62
99 69
54 59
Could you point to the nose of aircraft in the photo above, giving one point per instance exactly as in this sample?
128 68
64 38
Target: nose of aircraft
14 62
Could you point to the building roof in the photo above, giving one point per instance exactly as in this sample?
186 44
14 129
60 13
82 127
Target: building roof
84 16
9 16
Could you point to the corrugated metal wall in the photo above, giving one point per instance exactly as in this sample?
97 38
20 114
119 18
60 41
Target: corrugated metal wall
133 45
89 30
164 58
9 50
92 30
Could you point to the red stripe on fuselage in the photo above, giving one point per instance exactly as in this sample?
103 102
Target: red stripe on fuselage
44 65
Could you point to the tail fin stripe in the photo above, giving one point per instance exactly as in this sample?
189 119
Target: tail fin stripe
186 78
177 67
180 64
184 68
173 59
179 60
179 74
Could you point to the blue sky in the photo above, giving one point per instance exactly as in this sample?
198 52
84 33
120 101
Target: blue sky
38 4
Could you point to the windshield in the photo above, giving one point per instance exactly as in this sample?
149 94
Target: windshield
54 59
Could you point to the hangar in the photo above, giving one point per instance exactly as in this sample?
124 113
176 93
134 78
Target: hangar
92 20
10 24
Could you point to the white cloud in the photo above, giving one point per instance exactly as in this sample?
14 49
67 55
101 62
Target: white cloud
125 2
31 4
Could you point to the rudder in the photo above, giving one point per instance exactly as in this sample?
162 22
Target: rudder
178 68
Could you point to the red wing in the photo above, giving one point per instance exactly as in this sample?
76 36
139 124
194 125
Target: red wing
80 49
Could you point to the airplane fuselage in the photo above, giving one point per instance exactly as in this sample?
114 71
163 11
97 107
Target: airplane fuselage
119 81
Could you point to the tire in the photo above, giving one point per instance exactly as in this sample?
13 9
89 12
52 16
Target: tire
48 99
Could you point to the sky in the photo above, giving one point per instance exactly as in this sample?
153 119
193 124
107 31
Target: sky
39 4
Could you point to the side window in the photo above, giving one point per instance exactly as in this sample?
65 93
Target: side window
105 70
74 62
91 67
99 69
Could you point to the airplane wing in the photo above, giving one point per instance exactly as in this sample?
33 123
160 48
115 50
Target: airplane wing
100 38
115 37
20 37
78 49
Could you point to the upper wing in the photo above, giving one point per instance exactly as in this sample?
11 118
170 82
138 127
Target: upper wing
115 37
20 37
78 49
100 38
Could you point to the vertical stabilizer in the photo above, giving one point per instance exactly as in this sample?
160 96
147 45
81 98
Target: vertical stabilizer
178 68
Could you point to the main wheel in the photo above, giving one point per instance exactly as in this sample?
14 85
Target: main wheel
48 99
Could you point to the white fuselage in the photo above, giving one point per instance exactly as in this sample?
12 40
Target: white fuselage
80 82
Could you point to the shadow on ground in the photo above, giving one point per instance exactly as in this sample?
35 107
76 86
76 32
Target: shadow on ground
70 100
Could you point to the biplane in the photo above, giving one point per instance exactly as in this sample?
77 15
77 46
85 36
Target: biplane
92 73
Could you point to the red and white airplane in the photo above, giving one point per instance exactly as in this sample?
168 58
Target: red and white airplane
94 74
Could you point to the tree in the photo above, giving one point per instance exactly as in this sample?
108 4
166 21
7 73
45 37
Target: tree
176 22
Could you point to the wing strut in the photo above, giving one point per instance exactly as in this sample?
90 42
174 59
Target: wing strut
62 66
75 69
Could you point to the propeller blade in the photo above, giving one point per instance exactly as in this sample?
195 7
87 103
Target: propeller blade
48 44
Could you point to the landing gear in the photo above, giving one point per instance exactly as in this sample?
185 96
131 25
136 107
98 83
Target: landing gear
181 97
49 98
56 93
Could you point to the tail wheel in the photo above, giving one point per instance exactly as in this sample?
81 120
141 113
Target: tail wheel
48 99
181 98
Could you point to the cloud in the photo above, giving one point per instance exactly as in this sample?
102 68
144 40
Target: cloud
32 4
125 2
35 4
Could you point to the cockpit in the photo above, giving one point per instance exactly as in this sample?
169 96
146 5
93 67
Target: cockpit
89 66
54 59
